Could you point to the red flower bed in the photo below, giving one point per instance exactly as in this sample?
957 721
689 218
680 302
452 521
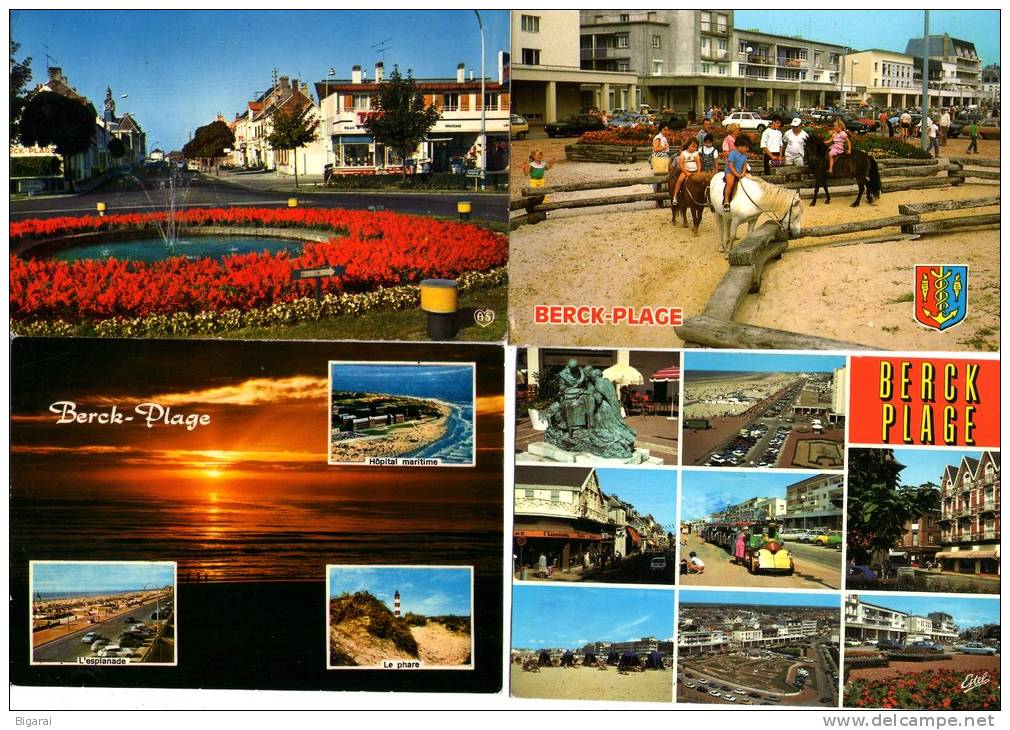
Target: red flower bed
930 690
377 249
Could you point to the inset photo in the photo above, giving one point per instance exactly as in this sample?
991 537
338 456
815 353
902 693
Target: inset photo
758 648
761 530
103 613
923 520
581 643
399 617
581 524
922 652
597 407
764 410
402 414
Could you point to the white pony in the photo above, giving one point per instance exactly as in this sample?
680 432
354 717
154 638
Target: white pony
752 198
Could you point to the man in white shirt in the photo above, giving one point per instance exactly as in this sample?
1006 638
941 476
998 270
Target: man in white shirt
795 140
932 134
771 143
944 126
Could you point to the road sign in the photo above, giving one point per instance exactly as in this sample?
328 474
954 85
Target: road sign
475 172
31 186
318 274
520 541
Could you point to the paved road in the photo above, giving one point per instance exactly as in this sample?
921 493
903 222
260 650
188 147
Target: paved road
206 191
814 569
70 647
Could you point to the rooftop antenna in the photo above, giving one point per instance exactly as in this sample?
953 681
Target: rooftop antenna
381 47
49 59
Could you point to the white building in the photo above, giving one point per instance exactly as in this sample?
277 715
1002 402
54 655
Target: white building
346 104
701 641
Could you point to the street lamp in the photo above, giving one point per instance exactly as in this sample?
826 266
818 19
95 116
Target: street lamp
841 78
852 70
329 124
483 107
747 51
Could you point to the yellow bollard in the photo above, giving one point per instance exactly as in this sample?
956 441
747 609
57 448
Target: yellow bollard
292 202
463 209
439 300
100 207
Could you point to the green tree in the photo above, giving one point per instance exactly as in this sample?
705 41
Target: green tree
21 74
116 148
51 119
879 506
209 141
400 120
293 128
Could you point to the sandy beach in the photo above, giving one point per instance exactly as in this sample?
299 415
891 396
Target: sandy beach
437 645
702 397
396 442
631 255
583 683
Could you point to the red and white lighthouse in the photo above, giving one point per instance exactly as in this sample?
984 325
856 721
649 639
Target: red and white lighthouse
396 604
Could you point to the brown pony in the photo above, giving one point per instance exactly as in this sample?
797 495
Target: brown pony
693 196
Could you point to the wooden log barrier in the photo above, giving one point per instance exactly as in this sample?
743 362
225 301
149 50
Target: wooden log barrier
527 219
766 242
981 174
975 161
729 292
596 185
856 226
948 224
592 202
919 208
709 331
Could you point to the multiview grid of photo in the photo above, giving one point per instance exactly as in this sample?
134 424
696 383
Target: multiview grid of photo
694 527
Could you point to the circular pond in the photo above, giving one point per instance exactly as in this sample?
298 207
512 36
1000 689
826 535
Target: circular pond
194 247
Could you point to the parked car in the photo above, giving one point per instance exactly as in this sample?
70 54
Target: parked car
658 563
748 121
989 128
628 120
828 538
574 126
926 646
98 645
130 620
890 645
90 637
673 121
518 127
975 647
860 576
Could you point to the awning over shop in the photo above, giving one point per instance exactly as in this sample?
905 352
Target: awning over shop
559 534
665 375
969 554
635 538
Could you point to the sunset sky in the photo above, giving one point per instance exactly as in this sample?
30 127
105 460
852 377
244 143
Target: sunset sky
259 466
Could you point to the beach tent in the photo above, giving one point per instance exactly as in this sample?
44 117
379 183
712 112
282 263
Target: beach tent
654 660
666 375
568 659
590 658
545 659
629 659
613 658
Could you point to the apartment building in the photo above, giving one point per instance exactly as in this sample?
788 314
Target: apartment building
970 516
548 80
921 541
815 503
886 77
960 70
347 103
701 641
871 622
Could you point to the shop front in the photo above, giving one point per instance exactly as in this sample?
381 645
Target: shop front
561 546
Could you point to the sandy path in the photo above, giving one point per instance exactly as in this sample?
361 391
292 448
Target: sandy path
591 684
631 255
438 646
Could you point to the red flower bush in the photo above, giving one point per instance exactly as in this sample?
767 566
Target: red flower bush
377 250
934 689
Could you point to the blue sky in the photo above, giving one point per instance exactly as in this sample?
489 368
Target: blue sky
98 577
651 491
967 612
452 383
751 362
926 465
765 598
885 29
704 492
555 616
425 591
180 68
